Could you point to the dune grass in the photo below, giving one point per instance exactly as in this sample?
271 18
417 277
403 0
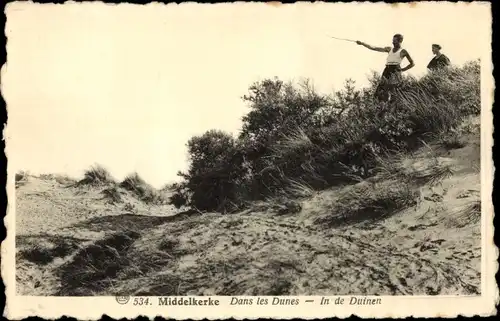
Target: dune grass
367 204
113 194
96 175
147 193
43 249
94 267
465 215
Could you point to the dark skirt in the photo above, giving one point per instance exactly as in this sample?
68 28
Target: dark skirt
391 79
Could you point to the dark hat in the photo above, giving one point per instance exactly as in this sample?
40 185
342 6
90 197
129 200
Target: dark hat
436 45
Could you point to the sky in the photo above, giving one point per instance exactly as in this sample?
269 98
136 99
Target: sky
126 86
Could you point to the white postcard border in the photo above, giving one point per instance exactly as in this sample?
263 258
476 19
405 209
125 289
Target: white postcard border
391 306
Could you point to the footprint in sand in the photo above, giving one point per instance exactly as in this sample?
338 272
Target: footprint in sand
434 198
421 226
438 242
427 247
467 193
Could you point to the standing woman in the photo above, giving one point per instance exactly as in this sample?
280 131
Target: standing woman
439 61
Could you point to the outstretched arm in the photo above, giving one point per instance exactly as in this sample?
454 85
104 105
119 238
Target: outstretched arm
379 49
410 60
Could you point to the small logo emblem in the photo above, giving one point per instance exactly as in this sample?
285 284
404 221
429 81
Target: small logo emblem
122 299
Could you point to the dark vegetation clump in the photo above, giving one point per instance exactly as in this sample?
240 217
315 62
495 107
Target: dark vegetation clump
43 249
21 178
364 205
97 175
94 267
113 195
144 191
294 135
22 175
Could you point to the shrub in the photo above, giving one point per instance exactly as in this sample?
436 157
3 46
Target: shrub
292 134
277 110
347 150
215 177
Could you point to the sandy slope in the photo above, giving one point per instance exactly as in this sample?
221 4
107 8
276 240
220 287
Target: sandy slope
55 219
71 241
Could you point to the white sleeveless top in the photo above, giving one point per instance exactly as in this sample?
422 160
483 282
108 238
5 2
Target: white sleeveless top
394 58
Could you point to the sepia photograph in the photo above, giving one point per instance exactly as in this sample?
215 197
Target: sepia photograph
258 153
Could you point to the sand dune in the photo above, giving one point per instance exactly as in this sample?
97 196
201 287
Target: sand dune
412 232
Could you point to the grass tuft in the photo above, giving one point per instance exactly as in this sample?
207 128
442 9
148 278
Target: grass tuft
369 204
465 215
97 175
146 193
431 175
94 267
43 249
113 195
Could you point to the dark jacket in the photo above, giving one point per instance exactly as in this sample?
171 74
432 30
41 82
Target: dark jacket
438 62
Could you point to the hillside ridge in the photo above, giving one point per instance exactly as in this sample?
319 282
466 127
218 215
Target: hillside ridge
413 228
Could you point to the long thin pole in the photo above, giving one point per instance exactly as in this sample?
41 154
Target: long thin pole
342 39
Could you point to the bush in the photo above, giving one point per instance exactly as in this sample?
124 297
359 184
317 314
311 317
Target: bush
347 150
277 111
215 175
294 135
